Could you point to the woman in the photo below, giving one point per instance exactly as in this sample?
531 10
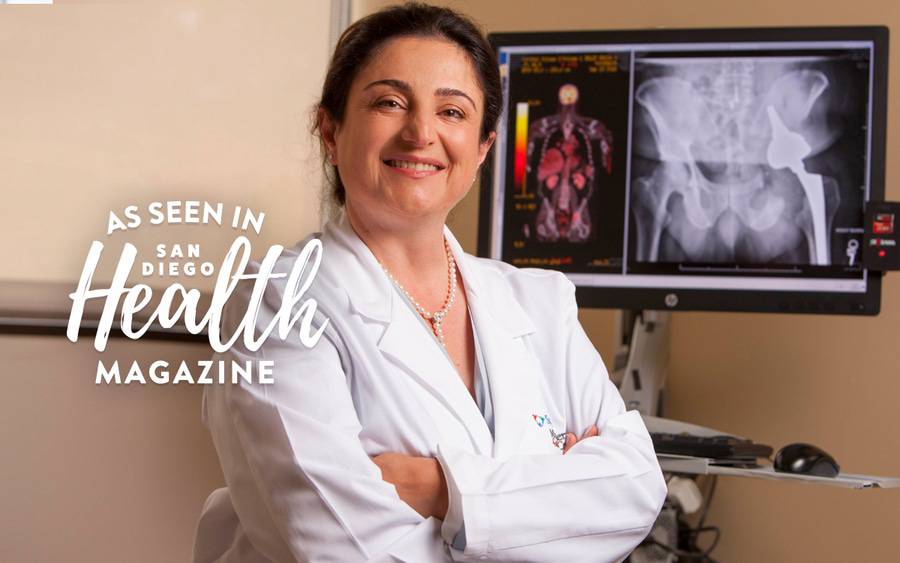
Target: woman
429 422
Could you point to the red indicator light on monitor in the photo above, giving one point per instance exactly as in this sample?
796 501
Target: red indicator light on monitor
882 253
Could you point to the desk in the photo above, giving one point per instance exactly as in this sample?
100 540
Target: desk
702 466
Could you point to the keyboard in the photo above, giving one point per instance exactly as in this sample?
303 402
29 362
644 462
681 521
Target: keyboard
722 447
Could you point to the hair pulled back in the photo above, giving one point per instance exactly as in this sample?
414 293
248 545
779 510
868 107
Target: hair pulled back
365 36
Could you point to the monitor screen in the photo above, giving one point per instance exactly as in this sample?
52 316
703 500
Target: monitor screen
692 169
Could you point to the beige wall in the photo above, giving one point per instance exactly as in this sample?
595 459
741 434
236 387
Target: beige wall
832 381
99 473
108 103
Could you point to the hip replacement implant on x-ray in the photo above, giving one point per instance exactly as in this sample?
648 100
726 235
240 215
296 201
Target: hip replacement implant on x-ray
730 163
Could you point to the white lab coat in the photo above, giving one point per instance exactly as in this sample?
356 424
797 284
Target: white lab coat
296 454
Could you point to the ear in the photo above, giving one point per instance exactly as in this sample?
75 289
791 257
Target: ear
328 128
485 147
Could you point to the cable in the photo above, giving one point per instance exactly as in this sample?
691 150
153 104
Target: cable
709 497
693 555
691 535
688 535
686 547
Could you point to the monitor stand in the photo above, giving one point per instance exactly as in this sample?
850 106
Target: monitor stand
641 369
643 360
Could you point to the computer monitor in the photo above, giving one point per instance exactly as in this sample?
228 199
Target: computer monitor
724 169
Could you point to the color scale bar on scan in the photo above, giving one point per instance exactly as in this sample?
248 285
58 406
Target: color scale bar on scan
521 146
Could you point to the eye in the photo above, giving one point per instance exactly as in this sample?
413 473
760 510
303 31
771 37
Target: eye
454 113
389 103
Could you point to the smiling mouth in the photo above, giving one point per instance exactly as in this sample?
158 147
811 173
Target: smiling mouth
418 166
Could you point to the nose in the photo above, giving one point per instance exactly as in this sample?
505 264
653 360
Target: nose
418 129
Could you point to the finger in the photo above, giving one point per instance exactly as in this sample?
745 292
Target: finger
386 462
590 432
571 440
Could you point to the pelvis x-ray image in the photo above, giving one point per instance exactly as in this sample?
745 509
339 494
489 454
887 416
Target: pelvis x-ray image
725 146
566 153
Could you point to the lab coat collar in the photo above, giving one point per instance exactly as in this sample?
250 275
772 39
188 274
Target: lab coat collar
499 321
372 287
355 264
483 283
405 340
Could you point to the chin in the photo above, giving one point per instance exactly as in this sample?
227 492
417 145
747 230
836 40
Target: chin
423 203
413 213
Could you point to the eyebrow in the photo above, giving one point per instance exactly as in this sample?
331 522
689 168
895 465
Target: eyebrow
406 88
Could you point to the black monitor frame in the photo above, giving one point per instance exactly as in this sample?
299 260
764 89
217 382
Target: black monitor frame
632 298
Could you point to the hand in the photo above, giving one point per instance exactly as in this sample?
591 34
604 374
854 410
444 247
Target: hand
419 481
571 440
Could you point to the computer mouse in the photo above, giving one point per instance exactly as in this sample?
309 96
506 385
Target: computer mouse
805 459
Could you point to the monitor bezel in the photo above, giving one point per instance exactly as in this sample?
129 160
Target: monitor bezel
738 300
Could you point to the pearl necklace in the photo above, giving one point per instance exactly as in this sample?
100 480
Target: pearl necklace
437 317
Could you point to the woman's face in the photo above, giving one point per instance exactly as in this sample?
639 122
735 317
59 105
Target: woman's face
408 148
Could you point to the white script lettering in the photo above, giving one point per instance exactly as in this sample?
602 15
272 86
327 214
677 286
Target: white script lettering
233 270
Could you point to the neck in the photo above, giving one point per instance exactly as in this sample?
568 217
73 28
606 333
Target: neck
414 254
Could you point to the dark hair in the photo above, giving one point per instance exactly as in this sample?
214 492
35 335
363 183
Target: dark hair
363 38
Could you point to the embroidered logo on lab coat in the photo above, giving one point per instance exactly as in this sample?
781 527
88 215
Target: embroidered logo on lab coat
559 438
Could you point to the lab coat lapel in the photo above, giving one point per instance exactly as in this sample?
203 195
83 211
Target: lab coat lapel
405 340
500 323
408 343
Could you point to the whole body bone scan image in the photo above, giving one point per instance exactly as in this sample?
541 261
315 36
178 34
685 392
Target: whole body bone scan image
565 166
748 160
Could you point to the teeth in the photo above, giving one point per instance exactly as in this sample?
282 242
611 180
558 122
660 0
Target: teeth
412 165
